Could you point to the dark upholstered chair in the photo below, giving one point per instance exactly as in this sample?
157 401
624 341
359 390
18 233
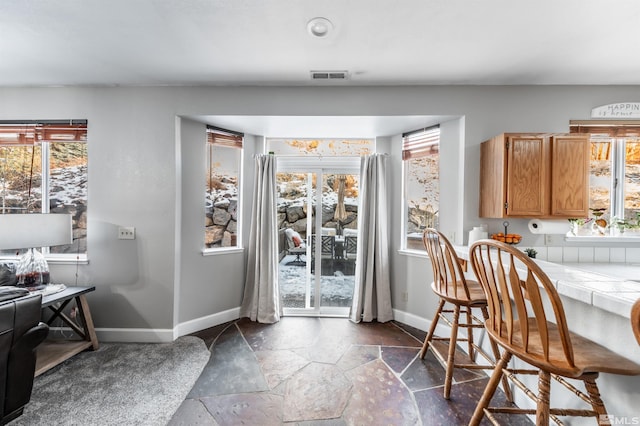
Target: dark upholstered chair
20 333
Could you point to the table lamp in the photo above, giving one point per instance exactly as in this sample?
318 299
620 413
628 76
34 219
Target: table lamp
19 231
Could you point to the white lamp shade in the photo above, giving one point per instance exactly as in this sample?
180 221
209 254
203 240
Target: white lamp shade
34 230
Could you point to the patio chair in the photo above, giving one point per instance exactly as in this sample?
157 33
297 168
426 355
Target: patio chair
295 246
326 246
350 246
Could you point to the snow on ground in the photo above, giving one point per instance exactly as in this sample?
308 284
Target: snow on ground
336 289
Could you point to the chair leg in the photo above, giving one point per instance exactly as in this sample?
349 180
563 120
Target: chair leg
478 414
470 348
453 341
544 390
596 402
496 356
432 330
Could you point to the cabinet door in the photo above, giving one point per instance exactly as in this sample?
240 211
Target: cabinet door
570 175
492 177
527 175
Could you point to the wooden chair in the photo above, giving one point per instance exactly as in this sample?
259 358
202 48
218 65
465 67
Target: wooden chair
635 320
538 334
451 286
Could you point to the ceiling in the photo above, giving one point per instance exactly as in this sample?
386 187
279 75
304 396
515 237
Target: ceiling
266 42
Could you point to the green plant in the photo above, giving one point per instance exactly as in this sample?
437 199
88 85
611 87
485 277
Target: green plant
621 224
531 252
577 223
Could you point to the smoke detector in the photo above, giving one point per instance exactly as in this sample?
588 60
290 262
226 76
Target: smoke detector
319 27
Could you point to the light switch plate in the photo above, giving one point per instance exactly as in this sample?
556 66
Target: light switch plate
126 233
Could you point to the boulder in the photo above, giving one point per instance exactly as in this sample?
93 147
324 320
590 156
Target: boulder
233 208
221 216
213 235
294 213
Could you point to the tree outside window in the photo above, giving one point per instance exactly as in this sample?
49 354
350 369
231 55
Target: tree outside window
44 169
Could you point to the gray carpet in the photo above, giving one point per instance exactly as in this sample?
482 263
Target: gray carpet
119 384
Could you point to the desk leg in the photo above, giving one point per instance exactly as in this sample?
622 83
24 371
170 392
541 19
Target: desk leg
53 352
87 321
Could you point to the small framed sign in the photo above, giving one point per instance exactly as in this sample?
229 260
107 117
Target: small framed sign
617 110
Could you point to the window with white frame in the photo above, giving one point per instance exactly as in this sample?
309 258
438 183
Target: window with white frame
222 200
44 169
421 183
614 181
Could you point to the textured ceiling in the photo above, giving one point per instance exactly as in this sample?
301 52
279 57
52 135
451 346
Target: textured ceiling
265 42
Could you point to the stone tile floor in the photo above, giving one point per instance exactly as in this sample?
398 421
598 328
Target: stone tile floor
326 371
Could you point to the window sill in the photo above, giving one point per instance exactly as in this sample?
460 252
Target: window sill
58 260
220 251
631 238
75 260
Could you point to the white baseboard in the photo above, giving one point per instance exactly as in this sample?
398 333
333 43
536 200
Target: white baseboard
147 335
163 335
419 322
135 335
412 320
198 324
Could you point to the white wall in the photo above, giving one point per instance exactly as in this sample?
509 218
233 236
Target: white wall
210 287
139 176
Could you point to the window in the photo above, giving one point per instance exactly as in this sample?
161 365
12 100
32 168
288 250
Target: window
615 176
43 169
224 164
421 183
614 169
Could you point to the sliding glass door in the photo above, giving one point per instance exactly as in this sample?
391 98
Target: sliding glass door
318 217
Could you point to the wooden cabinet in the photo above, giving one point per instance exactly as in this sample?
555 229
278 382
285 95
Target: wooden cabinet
534 175
570 159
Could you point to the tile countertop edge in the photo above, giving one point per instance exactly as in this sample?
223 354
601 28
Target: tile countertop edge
607 292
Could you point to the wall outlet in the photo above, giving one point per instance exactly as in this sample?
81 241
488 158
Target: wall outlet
405 296
548 239
126 233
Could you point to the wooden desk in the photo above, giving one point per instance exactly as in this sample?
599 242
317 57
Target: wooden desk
52 352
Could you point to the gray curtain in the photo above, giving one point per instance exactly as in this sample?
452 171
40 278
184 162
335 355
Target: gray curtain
261 300
372 293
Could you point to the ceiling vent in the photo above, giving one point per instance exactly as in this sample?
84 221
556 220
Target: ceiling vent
329 75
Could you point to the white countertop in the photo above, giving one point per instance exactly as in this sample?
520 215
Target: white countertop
608 286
